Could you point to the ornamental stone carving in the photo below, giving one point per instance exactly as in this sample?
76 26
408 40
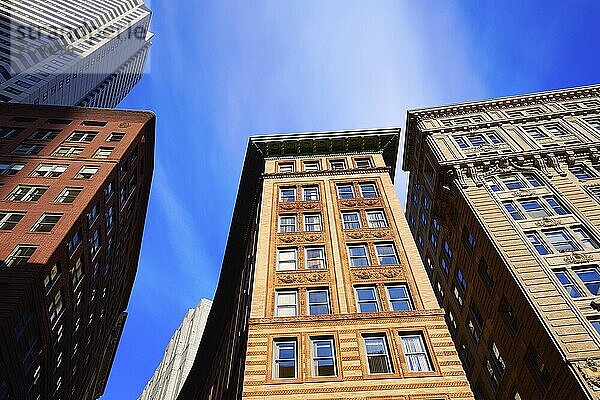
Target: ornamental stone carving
545 222
301 277
300 205
590 369
360 202
368 234
371 274
124 125
577 258
522 192
299 237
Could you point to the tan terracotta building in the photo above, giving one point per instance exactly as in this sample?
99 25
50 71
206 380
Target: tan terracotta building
503 204
322 293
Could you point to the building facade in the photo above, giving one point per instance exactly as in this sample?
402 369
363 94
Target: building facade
322 294
74 186
72 52
503 204
179 356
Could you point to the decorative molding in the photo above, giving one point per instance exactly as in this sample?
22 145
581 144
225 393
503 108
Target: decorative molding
554 163
541 164
369 233
299 237
547 222
590 369
577 258
374 274
311 205
306 277
474 175
361 202
327 172
124 125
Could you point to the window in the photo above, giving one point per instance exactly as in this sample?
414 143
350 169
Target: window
463 120
345 191
444 265
386 254
20 255
286 259
524 112
77 272
512 182
351 219
362 163
27 193
9 133
285 355
536 241
315 258
399 298
476 140
10 169
87 172
376 219
366 298
323 357
49 170
8 219
287 194
358 255
475 324
590 278
67 151
286 303
462 282
368 190
311 166
287 223
285 167
95 242
580 105
27 149
378 355
103 152
582 172
68 195
509 315
451 321
485 273
115 137
74 242
44 134
497 359
447 249
415 353
584 238
312 223
310 193
337 164
109 190
561 240
457 295
566 282
533 208
537 367
596 324
491 374
46 222
55 308
318 301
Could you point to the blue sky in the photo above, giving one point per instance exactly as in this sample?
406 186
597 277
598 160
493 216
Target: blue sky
222 70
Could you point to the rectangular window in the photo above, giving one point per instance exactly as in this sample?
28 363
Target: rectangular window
534 208
77 272
286 303
46 222
485 273
363 163
310 193
376 219
561 240
584 238
8 219
95 242
311 166
285 167
20 255
27 193
378 355
386 254
462 282
537 367
596 324
312 223
27 149
10 169
337 164
514 212
87 172
536 241
287 223
566 282
67 151
55 308
82 136
475 323
345 191
318 302
286 259
399 298
508 313
447 249
415 353
358 255
9 133
590 278
368 190
44 134
103 152
555 205
323 357
74 242
68 195
366 298
49 170
51 277
287 194
115 137
315 258
582 172
497 359
285 359
351 219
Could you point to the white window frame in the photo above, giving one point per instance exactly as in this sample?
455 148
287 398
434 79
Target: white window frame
345 185
322 259
315 187
351 257
386 355
418 354
279 307
47 225
346 224
316 163
63 194
358 162
295 259
287 227
374 301
407 299
9 219
380 222
85 136
69 151
277 360
318 224
45 170
361 186
286 167
314 358
87 172
337 164
28 195
282 199
103 152
380 256
327 302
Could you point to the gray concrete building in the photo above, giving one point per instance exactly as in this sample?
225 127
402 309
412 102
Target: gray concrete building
179 355
72 52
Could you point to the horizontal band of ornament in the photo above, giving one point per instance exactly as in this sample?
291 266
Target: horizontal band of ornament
350 171
299 237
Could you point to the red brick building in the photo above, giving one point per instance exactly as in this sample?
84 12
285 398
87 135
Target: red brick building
74 187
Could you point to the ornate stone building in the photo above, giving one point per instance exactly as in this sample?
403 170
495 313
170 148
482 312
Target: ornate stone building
503 204
322 294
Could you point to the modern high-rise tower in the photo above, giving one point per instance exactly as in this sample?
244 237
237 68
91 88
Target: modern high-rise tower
503 204
179 356
74 186
72 52
322 293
